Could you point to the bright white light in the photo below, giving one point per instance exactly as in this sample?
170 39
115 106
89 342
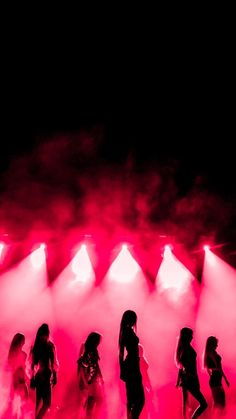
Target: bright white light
173 276
210 257
1 250
37 257
167 251
81 265
124 268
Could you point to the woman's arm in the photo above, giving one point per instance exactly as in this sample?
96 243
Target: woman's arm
122 363
83 384
217 360
54 364
32 362
211 363
209 370
225 378
121 355
179 376
223 374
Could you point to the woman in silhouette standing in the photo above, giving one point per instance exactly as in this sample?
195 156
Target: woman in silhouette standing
188 378
90 378
17 363
44 366
129 364
212 362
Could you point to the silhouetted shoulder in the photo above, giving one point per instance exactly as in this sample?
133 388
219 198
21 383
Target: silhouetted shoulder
51 347
130 337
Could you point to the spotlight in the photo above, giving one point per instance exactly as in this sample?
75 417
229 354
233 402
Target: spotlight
37 257
81 265
167 250
124 268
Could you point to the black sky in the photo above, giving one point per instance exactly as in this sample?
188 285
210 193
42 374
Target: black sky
161 97
158 115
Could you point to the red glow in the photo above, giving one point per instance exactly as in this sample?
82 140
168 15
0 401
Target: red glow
124 268
1 250
38 257
81 265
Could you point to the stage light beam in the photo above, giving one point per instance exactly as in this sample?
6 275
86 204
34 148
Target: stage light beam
38 257
173 276
81 265
124 268
1 250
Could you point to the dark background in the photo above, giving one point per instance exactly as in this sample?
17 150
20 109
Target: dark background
157 92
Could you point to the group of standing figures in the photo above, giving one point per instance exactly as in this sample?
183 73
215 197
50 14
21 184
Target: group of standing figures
188 378
44 365
186 359
43 372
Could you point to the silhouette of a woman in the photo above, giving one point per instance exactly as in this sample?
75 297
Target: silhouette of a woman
129 364
16 361
188 377
90 377
212 362
44 363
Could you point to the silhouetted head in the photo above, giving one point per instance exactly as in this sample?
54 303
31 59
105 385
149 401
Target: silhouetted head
40 343
211 343
186 335
18 341
129 319
16 344
92 341
43 332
